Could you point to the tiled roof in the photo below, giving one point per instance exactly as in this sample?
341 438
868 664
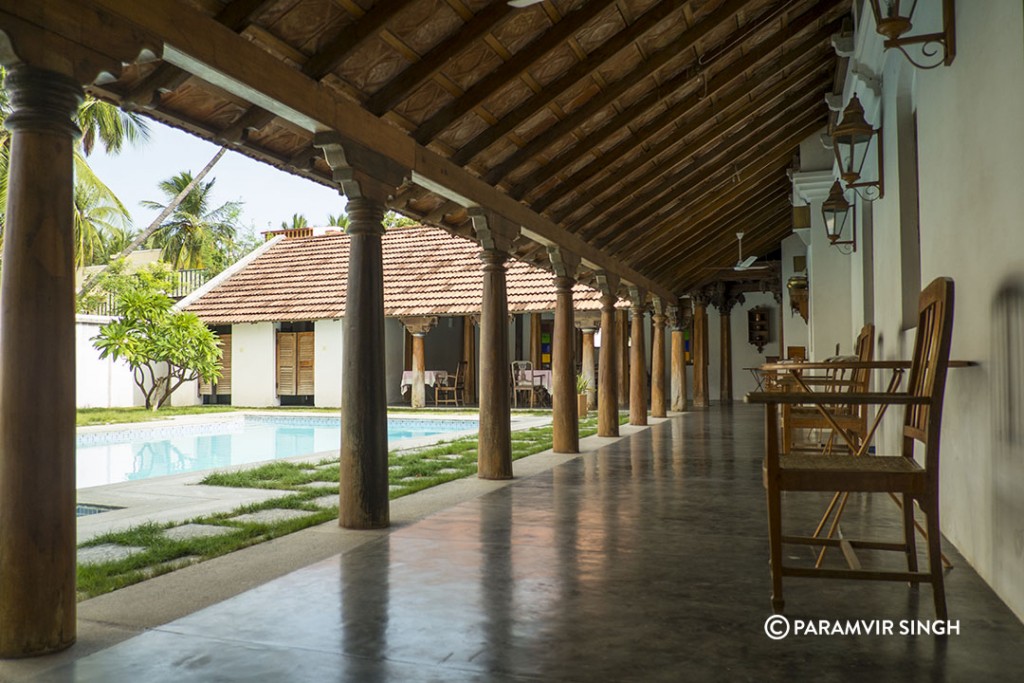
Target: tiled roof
427 271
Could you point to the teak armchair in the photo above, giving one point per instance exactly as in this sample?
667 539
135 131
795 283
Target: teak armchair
841 377
523 381
899 474
448 391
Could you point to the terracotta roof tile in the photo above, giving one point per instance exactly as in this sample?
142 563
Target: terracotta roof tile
426 272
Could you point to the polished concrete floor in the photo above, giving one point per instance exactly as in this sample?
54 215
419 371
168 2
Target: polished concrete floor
646 561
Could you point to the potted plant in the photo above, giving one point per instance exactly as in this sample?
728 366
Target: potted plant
582 387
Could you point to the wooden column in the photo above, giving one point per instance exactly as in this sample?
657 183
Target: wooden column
622 360
37 369
725 303
700 352
364 443
565 417
658 365
678 360
418 328
638 361
608 372
587 362
469 355
535 347
494 454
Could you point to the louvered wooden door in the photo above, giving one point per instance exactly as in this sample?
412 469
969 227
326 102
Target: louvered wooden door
304 370
296 366
286 364
223 384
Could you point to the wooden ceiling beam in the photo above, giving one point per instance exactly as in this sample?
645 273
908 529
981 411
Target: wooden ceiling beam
510 70
728 156
719 250
684 43
236 15
773 161
350 37
740 215
714 145
577 73
577 180
661 247
195 42
771 232
437 57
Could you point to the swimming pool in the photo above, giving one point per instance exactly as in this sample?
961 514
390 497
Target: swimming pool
144 451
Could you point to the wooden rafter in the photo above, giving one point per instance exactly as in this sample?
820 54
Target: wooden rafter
729 158
684 44
513 68
580 71
432 62
692 123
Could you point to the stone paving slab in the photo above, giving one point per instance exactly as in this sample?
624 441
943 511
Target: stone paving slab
107 552
326 501
271 515
189 531
315 484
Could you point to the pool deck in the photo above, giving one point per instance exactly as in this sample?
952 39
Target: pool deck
179 497
109 619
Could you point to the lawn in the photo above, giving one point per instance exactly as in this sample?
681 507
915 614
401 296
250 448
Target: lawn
302 483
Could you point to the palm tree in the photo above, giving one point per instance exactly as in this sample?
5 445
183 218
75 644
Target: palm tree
339 221
97 218
298 222
110 125
195 235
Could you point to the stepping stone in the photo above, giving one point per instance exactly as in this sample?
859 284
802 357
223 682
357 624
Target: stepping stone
270 516
394 487
326 501
315 484
448 470
189 531
410 479
455 456
107 552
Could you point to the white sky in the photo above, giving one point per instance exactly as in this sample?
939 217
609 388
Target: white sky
268 195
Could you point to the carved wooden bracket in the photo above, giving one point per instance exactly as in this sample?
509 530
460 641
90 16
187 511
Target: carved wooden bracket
419 325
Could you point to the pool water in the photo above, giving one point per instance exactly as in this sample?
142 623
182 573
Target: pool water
143 452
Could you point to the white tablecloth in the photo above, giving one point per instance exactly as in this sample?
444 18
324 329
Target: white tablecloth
430 377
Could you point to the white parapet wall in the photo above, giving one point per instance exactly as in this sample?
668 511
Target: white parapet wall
100 382
329 352
253 365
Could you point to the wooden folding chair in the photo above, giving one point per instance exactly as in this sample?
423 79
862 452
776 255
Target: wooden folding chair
447 391
899 474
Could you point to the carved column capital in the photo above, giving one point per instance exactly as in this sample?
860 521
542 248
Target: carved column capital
365 217
419 326
42 101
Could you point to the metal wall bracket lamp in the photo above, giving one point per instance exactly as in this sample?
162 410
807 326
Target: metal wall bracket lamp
836 213
893 23
851 141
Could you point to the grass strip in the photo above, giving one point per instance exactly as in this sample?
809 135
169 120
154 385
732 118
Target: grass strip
408 472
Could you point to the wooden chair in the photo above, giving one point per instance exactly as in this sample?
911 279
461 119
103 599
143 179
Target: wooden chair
448 390
852 419
523 382
899 474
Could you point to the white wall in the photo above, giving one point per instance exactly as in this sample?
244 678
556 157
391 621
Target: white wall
394 358
744 354
327 377
253 365
100 383
794 327
970 161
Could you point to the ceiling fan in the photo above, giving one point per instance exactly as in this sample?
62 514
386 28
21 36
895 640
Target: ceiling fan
745 263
